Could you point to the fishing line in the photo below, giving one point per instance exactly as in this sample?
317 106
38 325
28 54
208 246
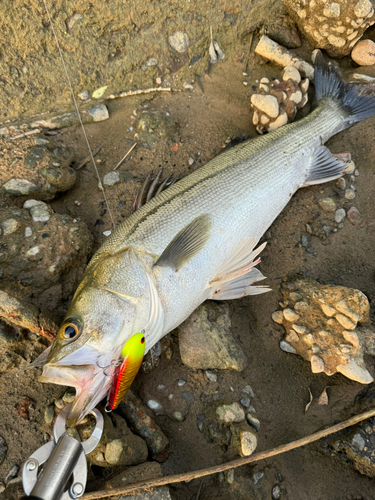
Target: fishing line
76 106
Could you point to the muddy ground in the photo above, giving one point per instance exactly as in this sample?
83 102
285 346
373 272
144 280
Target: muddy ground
204 121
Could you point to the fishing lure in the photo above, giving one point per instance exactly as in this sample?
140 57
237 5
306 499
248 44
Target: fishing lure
131 356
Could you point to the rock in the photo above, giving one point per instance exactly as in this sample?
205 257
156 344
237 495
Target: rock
363 53
118 444
359 447
340 215
349 194
11 474
47 258
230 413
341 183
354 216
152 125
245 402
83 95
276 490
327 204
2 487
292 73
229 476
248 390
134 412
188 86
248 443
179 41
42 169
206 342
161 493
333 26
59 403
266 103
253 421
153 404
3 449
69 396
49 414
111 178
290 315
333 330
212 377
283 30
9 226
277 317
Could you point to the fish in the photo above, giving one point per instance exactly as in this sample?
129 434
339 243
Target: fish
196 240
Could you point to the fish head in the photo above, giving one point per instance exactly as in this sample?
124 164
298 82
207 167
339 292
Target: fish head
88 346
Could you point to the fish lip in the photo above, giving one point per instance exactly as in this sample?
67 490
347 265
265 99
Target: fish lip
90 382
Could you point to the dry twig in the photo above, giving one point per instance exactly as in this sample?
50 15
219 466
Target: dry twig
86 160
137 92
25 134
128 153
188 476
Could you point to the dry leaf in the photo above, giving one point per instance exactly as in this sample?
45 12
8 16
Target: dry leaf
309 403
323 398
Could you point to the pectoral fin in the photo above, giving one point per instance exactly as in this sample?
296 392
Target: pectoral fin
186 244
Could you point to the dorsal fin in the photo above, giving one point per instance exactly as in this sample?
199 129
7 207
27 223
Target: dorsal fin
186 244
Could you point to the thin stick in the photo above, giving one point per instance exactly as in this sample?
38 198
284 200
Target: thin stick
248 53
25 134
128 153
137 92
88 158
188 476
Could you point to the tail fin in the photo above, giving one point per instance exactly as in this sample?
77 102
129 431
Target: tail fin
357 101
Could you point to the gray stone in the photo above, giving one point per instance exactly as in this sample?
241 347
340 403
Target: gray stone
212 377
32 203
153 404
161 493
257 476
206 341
41 141
349 194
188 396
150 62
245 402
111 178
230 413
327 204
19 186
248 443
49 413
181 383
340 215
177 415
248 390
3 449
11 474
304 240
276 492
98 113
84 95
9 226
179 41
229 476
358 441
40 213
253 421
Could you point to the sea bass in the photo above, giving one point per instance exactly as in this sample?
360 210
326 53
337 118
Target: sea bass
196 240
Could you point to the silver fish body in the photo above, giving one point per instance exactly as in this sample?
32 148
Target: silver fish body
194 241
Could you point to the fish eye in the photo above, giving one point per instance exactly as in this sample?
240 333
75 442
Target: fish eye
142 340
70 330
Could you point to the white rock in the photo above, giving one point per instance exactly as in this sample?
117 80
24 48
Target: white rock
353 371
33 251
299 329
113 451
279 122
154 405
332 10
230 413
290 315
9 226
349 194
28 232
317 364
33 203
285 346
212 377
296 97
266 103
363 8
340 215
264 80
264 119
248 443
277 317
345 322
111 178
291 73
304 85
263 86
179 41
336 41
255 118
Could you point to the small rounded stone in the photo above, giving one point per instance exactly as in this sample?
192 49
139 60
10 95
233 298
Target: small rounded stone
363 53
345 322
266 103
179 41
327 204
290 315
230 413
49 413
332 10
9 226
277 317
248 443
317 364
291 73
341 183
69 396
349 194
281 120
354 216
111 178
287 347
340 215
113 451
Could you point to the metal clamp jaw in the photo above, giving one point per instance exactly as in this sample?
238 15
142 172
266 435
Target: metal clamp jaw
64 463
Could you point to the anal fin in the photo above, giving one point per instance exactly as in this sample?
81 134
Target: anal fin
324 167
236 277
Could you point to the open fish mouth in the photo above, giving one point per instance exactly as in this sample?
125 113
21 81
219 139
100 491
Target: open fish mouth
91 382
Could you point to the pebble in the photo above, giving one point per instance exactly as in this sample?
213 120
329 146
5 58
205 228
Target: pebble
290 315
229 476
245 402
150 62
19 186
33 251
248 442
266 103
257 476
230 413
248 390
188 396
304 240
59 403
188 86
2 487
84 95
98 113
327 204
253 421
28 232
3 449
180 382
340 215
341 183
364 53
276 492
200 425
292 73
111 178
113 451
358 441
9 226
349 194
158 80
49 413
212 377
287 347
277 317
11 474
41 141
154 405
190 161
40 213
354 216
179 41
